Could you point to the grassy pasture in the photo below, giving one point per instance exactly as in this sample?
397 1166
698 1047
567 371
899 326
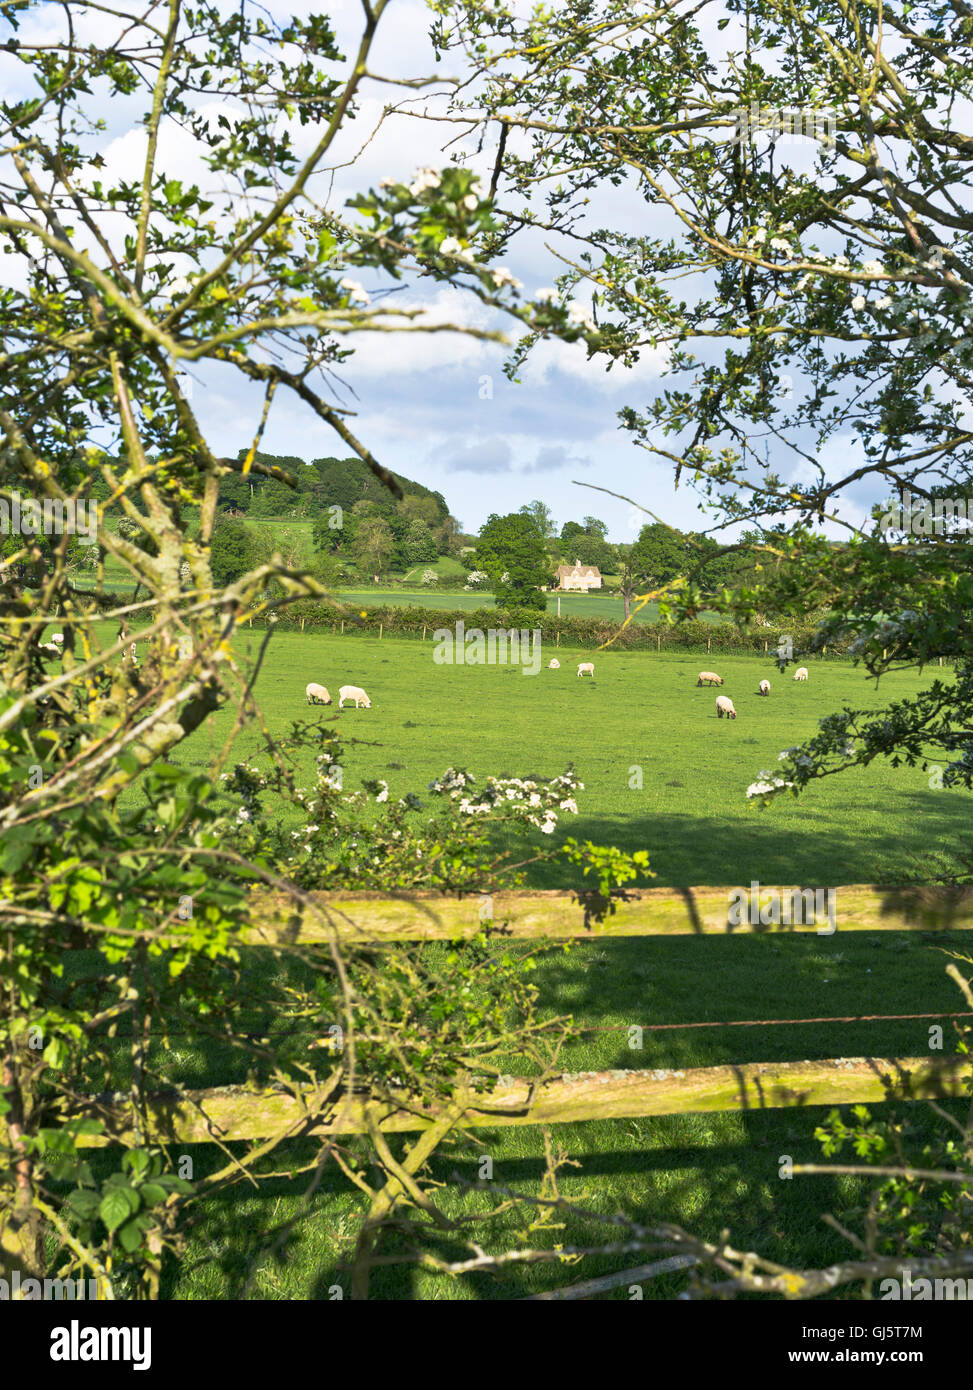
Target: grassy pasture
706 1171
642 717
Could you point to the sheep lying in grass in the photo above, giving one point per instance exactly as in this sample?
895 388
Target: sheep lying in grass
801 673
353 692
587 668
709 678
554 664
724 705
765 687
317 694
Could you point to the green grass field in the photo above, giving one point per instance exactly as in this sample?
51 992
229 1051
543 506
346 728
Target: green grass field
641 717
707 1172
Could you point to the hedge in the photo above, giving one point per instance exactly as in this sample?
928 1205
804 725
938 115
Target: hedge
414 621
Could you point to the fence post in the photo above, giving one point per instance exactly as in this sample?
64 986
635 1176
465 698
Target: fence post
423 632
658 642
558 642
302 624
940 661
380 632
342 627
765 649
707 643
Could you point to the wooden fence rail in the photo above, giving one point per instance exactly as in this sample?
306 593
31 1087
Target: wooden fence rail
558 915
239 1112
255 1112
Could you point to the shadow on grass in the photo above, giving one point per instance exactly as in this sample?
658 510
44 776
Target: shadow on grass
657 1171
694 850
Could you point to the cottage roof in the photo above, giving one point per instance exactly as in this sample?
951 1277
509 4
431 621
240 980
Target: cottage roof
578 570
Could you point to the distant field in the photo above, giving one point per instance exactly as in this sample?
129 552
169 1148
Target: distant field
641 716
572 605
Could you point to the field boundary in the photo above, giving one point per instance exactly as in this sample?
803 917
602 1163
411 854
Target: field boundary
227 1113
556 915
236 1112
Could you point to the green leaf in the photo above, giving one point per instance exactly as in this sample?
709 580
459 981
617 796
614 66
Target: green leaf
84 1202
130 1236
115 1207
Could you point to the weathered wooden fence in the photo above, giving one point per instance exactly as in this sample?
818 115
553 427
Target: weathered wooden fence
254 1112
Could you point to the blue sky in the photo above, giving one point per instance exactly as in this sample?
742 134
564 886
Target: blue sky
437 408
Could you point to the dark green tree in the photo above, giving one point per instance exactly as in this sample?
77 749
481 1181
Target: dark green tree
511 551
661 554
419 545
231 551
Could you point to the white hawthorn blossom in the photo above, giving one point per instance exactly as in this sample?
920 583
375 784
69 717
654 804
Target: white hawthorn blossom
858 303
357 292
449 246
579 316
545 296
503 277
536 805
424 179
767 788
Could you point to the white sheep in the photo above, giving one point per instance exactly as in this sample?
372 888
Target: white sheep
353 692
724 705
554 664
587 668
317 694
709 678
801 673
765 687
52 647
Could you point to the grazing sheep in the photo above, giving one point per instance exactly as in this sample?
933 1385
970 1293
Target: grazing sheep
709 678
52 648
765 687
587 668
317 694
724 705
353 692
801 673
554 664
